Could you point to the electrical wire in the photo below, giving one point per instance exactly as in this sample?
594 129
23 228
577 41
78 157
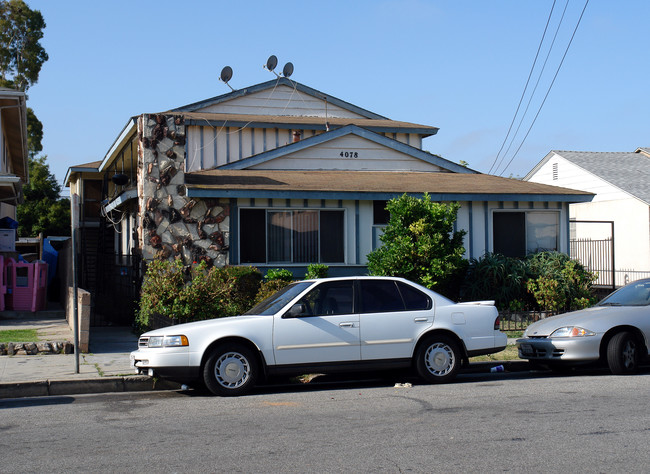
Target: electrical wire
549 88
532 94
532 68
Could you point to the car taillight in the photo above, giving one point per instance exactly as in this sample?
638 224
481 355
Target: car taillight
497 323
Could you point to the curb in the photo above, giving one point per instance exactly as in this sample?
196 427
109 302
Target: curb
135 383
143 383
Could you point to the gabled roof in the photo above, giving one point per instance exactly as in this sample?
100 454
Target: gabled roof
85 168
270 85
348 130
628 171
369 185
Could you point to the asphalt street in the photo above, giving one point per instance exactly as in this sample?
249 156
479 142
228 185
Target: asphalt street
514 422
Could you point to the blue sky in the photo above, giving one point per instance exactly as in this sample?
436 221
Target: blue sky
457 65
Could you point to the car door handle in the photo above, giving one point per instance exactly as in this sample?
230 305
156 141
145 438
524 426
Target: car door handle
346 325
420 320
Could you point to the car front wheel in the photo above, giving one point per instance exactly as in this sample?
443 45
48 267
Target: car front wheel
623 354
231 370
438 360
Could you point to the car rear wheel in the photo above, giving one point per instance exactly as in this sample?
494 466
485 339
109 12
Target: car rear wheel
231 370
623 354
438 360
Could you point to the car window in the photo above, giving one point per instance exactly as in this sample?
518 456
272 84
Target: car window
380 296
634 294
413 298
277 301
335 297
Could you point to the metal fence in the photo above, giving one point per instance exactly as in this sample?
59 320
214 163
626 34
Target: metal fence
520 320
596 256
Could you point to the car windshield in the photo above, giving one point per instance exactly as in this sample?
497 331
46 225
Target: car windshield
634 294
277 301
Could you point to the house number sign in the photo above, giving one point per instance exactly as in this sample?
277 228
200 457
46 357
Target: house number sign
349 154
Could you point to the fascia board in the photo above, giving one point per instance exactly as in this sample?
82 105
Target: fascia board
129 129
536 168
207 192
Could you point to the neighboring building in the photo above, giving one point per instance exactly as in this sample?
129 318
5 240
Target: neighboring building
282 175
14 170
618 216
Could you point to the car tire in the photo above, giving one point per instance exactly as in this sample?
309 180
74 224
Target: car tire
231 370
438 359
623 354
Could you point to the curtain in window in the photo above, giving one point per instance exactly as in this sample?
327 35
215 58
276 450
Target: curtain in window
279 236
305 241
542 229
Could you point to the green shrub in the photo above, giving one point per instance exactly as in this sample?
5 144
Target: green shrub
559 283
177 293
420 244
546 281
279 274
267 288
496 277
316 270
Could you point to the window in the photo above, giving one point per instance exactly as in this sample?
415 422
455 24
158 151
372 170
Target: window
329 299
291 236
92 197
414 299
380 296
516 234
380 216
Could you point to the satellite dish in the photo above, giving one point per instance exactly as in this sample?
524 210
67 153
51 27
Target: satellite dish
271 63
226 74
288 70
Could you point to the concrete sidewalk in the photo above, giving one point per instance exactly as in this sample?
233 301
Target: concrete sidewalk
105 368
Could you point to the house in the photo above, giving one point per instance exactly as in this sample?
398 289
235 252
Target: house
14 170
282 175
611 233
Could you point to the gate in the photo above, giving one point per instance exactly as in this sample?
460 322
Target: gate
596 254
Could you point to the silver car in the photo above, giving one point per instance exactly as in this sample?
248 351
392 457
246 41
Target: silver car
616 331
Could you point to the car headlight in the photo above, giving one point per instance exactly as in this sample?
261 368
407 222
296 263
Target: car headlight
168 341
571 331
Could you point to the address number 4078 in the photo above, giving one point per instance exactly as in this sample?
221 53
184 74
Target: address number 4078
349 154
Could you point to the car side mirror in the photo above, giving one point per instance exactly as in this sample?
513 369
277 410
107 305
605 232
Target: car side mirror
296 310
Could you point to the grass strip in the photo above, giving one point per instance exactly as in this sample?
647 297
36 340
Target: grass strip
18 335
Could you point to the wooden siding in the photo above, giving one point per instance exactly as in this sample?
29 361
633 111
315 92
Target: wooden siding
370 156
210 147
573 177
282 100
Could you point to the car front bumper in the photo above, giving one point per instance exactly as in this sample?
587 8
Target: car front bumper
168 363
560 349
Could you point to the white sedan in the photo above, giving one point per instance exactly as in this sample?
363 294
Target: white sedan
616 331
325 325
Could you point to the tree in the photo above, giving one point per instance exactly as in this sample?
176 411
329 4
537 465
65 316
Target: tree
42 209
419 244
21 53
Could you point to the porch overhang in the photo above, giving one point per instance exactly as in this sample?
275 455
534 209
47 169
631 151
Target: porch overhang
371 185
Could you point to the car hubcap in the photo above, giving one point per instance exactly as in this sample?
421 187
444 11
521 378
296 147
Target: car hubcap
629 358
439 359
232 370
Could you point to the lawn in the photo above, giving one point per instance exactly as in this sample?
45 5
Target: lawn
18 335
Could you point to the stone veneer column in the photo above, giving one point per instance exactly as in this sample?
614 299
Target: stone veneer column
173 225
